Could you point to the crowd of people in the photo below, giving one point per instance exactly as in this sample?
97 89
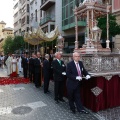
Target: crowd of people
50 67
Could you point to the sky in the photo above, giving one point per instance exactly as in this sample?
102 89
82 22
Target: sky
6 12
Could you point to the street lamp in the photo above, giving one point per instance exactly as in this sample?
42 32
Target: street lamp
108 41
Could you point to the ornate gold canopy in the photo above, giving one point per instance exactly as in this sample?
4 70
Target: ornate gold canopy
38 36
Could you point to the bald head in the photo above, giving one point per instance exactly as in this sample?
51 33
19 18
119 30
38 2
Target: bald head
76 56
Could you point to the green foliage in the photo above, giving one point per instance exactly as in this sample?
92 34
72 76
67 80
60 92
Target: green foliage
8 45
13 44
18 42
114 28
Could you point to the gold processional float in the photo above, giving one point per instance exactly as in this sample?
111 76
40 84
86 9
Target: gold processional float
38 36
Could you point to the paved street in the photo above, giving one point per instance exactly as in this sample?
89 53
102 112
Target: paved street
25 102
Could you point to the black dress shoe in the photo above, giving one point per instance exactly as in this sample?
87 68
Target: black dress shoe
62 100
56 101
73 111
84 111
37 86
48 91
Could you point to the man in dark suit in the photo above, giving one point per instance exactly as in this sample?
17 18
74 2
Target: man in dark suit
51 55
46 73
59 77
75 70
31 67
37 70
25 61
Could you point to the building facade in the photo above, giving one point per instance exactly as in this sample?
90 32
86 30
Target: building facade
4 33
21 16
30 14
34 14
47 15
2 26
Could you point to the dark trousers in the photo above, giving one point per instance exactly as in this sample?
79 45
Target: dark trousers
25 72
74 97
51 74
37 79
58 89
31 75
46 84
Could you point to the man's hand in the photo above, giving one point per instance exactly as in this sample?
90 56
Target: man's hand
79 78
87 77
63 73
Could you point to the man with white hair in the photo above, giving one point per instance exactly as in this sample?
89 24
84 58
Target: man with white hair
59 77
75 70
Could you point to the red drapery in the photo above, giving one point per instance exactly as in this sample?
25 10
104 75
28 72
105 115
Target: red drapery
108 98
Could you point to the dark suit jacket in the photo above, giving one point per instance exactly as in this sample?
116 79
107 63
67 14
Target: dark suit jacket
31 64
51 58
25 62
58 69
72 73
37 65
46 69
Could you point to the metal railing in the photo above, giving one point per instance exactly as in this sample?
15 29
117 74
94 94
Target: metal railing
46 19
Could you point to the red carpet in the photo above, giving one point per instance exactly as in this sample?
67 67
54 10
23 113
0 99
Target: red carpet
13 80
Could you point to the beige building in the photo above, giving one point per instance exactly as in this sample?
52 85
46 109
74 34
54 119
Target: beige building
4 33
2 26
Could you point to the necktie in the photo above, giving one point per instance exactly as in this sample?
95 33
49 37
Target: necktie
60 62
78 70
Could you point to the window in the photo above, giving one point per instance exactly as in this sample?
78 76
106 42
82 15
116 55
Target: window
27 7
36 15
31 16
23 21
52 27
27 19
27 29
65 2
78 2
67 11
40 13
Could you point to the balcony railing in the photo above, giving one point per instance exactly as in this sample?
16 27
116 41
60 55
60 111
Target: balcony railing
46 4
47 19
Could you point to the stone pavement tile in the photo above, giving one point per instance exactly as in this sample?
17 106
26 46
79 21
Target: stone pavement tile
3 72
22 99
110 114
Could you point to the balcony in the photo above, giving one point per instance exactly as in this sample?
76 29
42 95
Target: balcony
46 4
47 19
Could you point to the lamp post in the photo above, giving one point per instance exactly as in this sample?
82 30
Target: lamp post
76 29
108 41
